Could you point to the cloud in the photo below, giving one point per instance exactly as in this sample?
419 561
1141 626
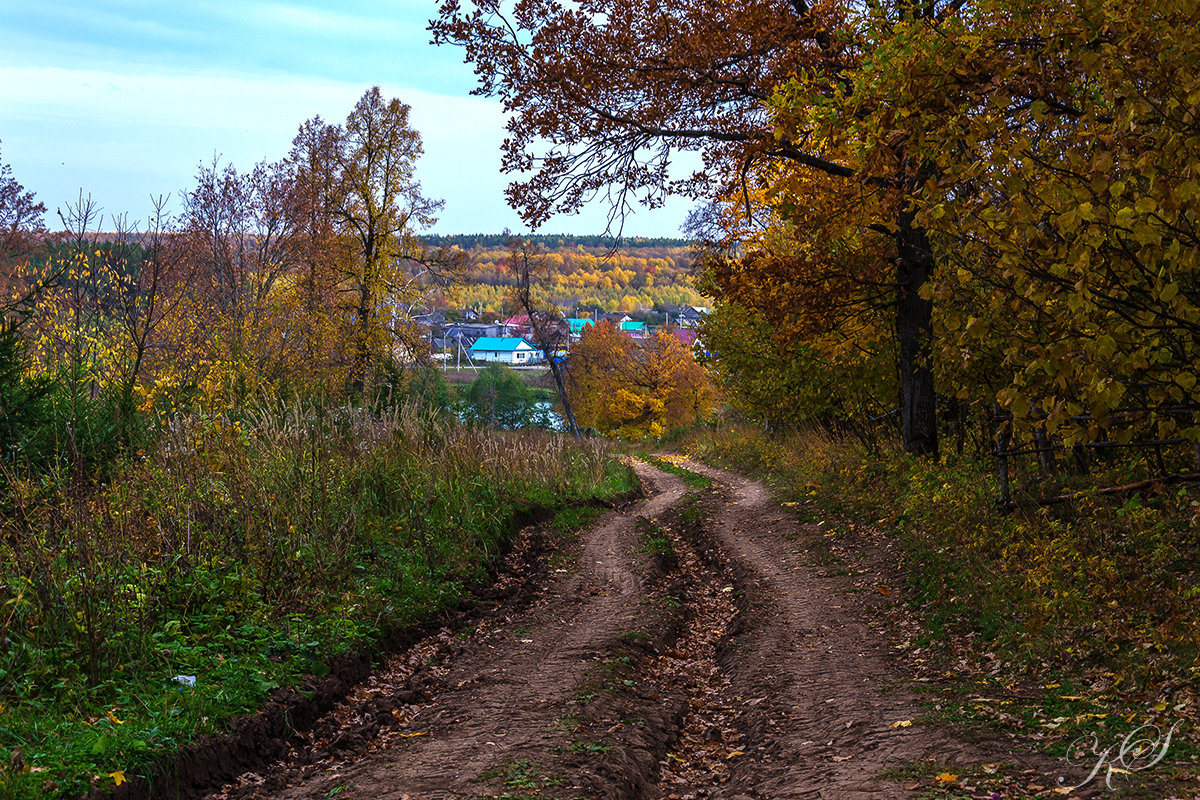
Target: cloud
75 128
276 16
125 136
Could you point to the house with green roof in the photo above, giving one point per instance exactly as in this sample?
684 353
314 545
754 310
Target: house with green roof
577 324
513 350
635 329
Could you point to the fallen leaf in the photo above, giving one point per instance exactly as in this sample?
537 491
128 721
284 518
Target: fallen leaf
410 735
947 778
904 723
883 590
733 753
112 717
118 776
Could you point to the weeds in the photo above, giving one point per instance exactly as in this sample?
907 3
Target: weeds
521 776
1103 584
225 563
655 541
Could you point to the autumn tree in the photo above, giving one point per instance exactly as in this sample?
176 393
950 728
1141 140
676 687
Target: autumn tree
377 207
312 167
239 238
602 101
23 410
1066 203
149 292
636 389
771 374
21 224
547 327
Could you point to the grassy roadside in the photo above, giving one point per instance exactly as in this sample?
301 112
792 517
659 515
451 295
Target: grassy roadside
235 558
1047 626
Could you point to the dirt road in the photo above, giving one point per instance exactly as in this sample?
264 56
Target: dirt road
691 645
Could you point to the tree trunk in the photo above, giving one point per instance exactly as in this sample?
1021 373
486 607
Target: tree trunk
561 385
914 331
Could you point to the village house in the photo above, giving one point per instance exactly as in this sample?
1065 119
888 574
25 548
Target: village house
511 350
577 324
467 333
690 316
636 330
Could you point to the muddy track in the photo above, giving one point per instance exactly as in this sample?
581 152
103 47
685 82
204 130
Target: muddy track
729 664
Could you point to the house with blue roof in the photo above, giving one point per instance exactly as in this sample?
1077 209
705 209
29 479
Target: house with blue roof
513 350
577 324
635 329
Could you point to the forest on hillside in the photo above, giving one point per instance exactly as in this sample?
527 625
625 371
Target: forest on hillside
583 275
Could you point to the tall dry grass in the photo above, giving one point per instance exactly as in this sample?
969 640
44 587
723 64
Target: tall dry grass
243 552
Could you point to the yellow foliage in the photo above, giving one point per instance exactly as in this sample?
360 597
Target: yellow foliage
636 389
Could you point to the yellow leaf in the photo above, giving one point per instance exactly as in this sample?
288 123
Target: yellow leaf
904 723
410 735
946 777
112 717
118 776
733 753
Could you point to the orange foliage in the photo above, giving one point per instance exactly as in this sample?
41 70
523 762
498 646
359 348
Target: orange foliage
636 388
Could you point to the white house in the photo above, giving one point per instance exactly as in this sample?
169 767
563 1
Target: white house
505 349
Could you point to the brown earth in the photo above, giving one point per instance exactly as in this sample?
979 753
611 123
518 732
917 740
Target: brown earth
731 663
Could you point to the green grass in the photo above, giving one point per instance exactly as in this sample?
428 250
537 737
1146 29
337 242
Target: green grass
243 555
654 540
693 480
573 518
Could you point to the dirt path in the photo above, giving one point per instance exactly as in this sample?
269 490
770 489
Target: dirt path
729 664
820 690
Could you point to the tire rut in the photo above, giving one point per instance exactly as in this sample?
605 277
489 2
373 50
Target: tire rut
820 692
736 668
494 697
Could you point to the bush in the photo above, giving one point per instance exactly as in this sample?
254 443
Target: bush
498 398
1101 584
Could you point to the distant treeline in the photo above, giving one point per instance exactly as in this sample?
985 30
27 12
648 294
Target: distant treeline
557 241
577 273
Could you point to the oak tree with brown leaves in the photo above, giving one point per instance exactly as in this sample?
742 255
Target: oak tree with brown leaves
602 96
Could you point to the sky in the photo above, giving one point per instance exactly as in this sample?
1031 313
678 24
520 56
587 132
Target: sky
124 99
